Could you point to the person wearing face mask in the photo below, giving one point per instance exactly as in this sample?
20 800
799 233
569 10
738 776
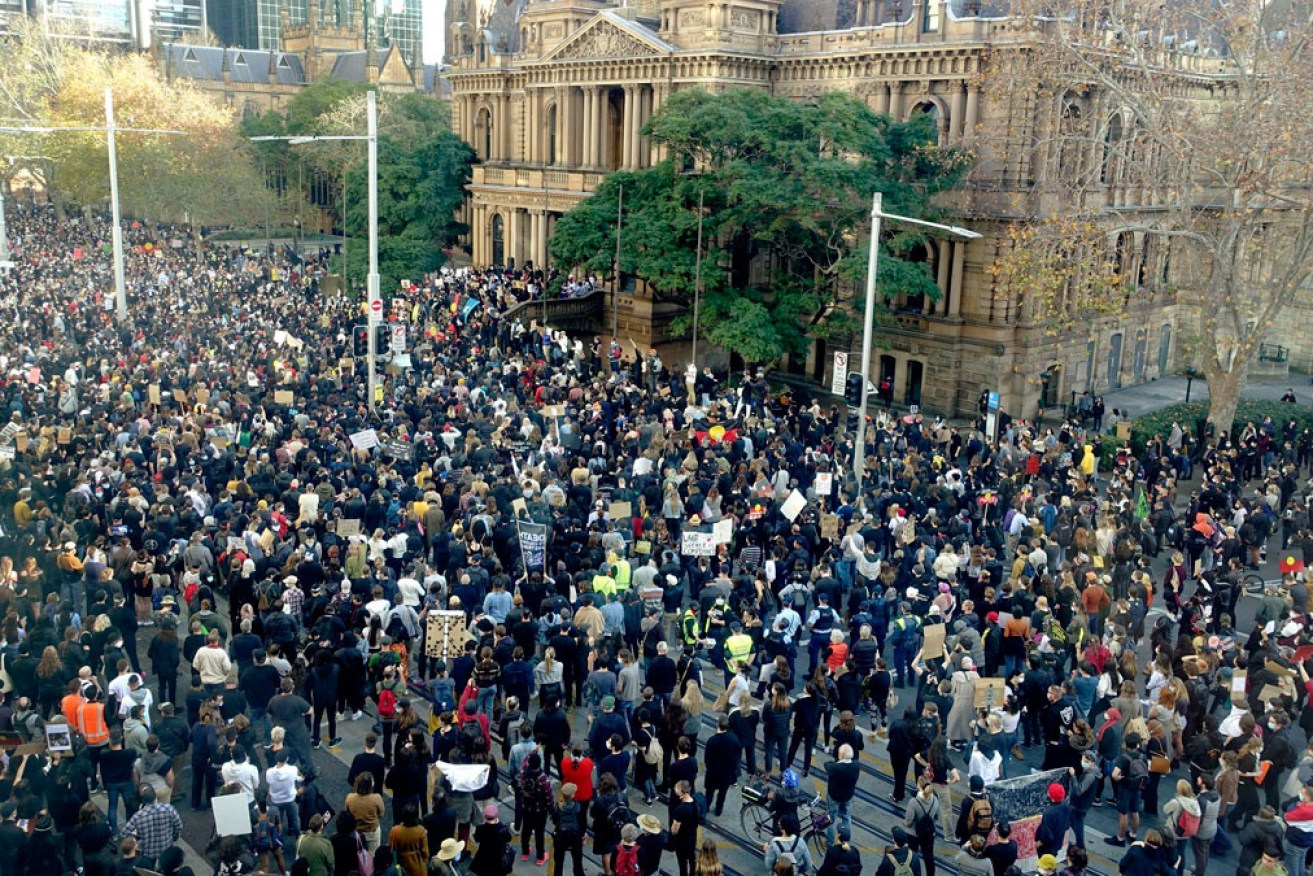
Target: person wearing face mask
388 692
1277 748
1085 780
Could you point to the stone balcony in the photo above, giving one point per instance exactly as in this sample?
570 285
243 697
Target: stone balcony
535 178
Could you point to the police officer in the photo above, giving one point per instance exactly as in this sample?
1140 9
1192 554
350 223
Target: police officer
688 626
821 622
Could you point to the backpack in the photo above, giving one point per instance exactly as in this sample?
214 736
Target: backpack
1187 824
626 861
980 819
654 752
925 820
1138 772
620 815
387 703
471 735
901 868
268 592
799 865
700 801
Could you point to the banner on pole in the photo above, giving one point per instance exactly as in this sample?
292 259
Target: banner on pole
533 545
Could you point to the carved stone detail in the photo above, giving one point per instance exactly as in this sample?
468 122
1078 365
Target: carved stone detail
605 41
745 19
553 31
692 17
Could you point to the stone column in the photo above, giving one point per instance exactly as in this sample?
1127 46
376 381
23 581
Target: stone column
955 279
881 99
534 224
942 281
514 248
900 378
626 161
586 127
973 114
478 236
531 126
958 121
896 101
562 156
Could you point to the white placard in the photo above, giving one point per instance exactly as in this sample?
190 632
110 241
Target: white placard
364 440
723 531
7 451
232 814
280 337
793 505
698 544
824 483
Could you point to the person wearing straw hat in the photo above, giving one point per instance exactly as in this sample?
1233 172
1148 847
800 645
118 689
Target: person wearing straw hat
447 861
651 844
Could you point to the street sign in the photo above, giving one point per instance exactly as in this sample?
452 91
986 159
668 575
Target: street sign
398 338
840 373
993 401
376 311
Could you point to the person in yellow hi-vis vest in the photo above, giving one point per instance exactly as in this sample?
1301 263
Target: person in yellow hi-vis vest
622 573
738 650
603 583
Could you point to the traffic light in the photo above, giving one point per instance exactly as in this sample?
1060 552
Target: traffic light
852 389
382 338
360 340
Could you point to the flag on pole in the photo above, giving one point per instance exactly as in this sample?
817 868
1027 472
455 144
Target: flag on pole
1141 505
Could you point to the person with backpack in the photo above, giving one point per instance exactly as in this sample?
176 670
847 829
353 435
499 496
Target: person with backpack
651 844
495 856
976 815
920 817
626 854
568 833
901 858
788 842
610 813
842 858
1130 776
1210 814
533 792
388 692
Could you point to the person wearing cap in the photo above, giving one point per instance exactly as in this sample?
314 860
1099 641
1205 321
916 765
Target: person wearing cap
1054 823
820 622
609 723
900 854
1047 865
492 839
568 818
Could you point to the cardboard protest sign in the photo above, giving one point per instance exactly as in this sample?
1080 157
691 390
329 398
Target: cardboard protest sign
365 439
991 693
620 511
180 396
830 525
283 397
934 642
202 395
65 435
153 393
348 526
519 506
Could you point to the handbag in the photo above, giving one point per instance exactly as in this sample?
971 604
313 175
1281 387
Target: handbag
364 860
1160 764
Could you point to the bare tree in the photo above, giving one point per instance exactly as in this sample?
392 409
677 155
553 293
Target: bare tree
1190 125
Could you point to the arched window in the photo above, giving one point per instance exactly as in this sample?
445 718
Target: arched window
931 109
1112 145
498 239
1069 144
551 135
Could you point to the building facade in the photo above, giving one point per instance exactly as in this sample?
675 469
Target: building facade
555 97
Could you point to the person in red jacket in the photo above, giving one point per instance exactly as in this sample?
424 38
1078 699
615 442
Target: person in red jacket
577 769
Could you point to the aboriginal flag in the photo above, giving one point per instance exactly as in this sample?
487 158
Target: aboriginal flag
720 433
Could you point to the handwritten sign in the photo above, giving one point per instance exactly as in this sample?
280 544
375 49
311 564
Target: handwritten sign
830 525
364 439
991 693
153 393
348 526
723 531
793 505
620 511
934 642
398 449
283 397
64 436
180 396
824 483
698 544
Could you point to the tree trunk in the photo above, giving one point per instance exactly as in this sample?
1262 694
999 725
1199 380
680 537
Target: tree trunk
1224 393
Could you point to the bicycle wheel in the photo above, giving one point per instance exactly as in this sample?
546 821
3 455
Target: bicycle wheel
754 821
818 844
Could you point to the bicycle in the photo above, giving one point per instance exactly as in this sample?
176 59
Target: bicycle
758 822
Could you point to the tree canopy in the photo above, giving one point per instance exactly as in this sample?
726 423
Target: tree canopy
786 180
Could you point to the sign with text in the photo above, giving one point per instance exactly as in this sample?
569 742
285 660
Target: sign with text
840 372
698 544
533 545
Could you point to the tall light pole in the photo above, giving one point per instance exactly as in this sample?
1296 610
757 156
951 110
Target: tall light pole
375 309
697 280
5 263
615 290
868 322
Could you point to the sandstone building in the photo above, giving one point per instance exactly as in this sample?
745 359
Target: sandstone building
553 94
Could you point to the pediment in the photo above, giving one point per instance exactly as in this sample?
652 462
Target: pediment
605 39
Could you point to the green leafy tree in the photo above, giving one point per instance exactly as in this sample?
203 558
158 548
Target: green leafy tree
784 180
422 171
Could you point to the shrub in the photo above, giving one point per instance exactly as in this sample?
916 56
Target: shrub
1249 410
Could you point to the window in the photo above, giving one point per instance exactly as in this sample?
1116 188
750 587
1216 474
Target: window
931 110
1111 147
933 11
1069 147
485 132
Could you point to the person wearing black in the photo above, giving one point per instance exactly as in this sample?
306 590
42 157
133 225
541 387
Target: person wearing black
259 684
323 689
367 761
842 858
903 744
899 855
806 724
840 788
116 773
661 675
568 836
684 823
743 721
551 729
722 758
1003 852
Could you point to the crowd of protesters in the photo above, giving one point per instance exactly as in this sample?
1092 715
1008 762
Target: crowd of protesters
209 561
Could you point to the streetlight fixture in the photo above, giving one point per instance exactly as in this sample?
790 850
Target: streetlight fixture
375 309
1190 374
110 130
697 279
868 323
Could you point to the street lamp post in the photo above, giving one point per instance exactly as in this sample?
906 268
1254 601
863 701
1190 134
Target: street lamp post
615 289
868 322
697 280
372 280
1190 375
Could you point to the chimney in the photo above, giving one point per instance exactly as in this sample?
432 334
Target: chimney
417 67
227 68
273 66
371 62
